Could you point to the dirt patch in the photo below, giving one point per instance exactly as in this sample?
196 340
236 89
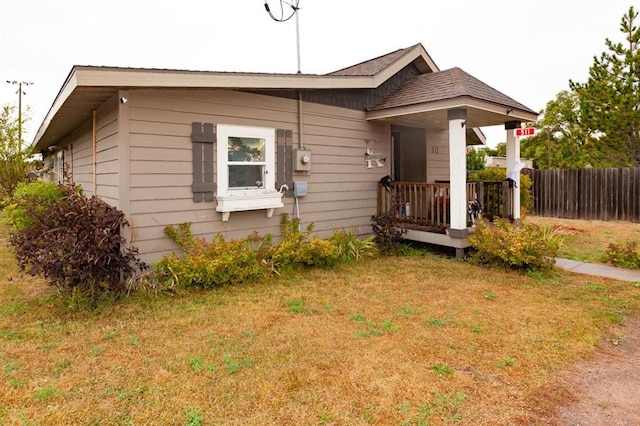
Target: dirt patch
606 389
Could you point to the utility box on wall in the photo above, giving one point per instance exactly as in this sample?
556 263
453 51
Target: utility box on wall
302 160
299 189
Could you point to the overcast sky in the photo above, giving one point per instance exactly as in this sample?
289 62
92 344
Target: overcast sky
527 50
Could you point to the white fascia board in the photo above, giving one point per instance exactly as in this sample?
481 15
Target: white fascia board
446 104
92 77
514 114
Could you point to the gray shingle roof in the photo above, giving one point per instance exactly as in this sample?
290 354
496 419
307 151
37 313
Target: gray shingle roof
372 66
447 84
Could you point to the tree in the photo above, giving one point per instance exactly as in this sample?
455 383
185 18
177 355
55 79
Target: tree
475 159
501 149
610 99
14 156
562 140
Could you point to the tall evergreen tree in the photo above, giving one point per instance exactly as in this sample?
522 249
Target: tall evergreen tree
610 100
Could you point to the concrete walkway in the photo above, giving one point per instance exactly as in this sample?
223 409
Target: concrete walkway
599 270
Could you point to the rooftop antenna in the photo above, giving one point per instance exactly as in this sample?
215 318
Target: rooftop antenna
284 15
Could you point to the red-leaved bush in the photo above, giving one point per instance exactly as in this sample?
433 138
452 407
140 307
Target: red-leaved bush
76 243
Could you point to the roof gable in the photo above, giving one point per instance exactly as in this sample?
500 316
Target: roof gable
372 66
447 84
383 67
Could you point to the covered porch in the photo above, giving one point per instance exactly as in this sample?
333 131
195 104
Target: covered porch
424 209
434 117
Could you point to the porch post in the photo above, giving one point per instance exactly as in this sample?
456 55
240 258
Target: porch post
458 172
513 158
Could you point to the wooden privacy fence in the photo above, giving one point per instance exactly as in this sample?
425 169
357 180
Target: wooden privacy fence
592 194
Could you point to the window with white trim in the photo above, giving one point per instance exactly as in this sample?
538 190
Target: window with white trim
246 169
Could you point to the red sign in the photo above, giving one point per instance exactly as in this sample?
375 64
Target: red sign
525 131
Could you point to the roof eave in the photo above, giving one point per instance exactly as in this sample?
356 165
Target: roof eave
502 113
146 78
123 78
67 89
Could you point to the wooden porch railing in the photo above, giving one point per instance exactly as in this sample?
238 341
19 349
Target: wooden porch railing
427 204
496 199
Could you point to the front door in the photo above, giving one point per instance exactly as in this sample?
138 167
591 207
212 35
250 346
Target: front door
409 154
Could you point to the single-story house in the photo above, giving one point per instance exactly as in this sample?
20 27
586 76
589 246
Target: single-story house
231 152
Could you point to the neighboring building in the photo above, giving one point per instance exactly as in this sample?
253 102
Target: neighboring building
493 161
219 150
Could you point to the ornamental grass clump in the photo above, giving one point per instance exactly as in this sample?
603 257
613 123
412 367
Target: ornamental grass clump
517 246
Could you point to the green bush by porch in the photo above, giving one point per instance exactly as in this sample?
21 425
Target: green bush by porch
497 174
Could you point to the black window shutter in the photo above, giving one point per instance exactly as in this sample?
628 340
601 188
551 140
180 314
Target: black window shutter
203 138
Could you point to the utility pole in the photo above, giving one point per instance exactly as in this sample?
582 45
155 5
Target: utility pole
20 92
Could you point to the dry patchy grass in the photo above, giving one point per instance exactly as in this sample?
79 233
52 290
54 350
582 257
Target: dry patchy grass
387 341
587 240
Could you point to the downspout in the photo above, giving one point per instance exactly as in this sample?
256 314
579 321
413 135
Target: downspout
95 154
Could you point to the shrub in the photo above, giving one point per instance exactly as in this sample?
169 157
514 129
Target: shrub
350 247
76 244
388 232
627 256
223 262
43 194
212 264
497 174
525 246
297 247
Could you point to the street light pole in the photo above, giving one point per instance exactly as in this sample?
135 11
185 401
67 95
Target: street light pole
20 93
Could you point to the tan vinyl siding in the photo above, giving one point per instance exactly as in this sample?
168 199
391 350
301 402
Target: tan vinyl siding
108 162
78 147
342 191
437 155
83 162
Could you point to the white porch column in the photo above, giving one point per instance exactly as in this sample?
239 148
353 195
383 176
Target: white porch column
458 172
513 158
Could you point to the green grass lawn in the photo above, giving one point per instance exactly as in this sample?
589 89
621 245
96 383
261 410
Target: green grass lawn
413 340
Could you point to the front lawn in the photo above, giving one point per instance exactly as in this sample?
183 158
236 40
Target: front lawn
412 340
587 240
